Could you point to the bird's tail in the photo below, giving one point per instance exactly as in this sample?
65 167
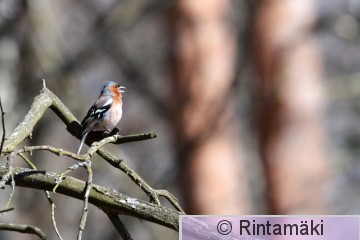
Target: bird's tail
82 142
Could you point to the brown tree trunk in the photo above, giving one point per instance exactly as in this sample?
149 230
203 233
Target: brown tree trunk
290 106
206 131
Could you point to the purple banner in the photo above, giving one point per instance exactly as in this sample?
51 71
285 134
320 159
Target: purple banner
269 227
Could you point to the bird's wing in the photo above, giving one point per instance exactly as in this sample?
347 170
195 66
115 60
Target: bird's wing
97 111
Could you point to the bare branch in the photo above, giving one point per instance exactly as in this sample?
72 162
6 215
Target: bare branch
53 220
56 151
12 184
69 169
104 198
23 229
107 199
3 127
152 193
47 99
120 227
8 177
7 210
171 198
28 161
118 163
47 194
86 200
117 139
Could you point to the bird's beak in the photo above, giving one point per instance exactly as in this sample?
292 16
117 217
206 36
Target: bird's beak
122 89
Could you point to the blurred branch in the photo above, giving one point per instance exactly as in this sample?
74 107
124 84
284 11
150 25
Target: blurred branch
23 229
7 210
41 102
104 198
7 24
119 225
3 127
116 139
8 177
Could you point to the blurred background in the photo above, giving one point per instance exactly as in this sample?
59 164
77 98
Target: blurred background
255 103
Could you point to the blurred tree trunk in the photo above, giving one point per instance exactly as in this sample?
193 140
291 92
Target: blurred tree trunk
205 126
290 106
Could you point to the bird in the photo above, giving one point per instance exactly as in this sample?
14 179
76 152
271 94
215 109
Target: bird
105 113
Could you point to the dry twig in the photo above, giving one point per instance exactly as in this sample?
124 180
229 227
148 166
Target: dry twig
7 210
86 199
23 229
119 225
3 127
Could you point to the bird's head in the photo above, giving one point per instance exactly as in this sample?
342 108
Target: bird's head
113 89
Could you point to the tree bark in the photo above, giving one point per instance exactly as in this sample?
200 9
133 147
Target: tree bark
290 106
205 128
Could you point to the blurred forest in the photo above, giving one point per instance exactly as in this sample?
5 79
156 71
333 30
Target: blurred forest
255 103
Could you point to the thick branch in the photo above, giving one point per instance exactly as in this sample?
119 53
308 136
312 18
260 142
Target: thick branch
25 127
104 198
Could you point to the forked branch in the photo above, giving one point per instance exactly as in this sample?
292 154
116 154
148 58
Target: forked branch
104 198
109 200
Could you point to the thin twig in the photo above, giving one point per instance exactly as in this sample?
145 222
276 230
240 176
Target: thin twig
12 184
53 220
28 161
3 127
86 200
7 210
120 227
117 139
47 195
23 229
10 175
69 169
171 198
152 193
56 151
47 99
118 163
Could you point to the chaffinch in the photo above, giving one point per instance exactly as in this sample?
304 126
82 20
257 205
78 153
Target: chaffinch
105 113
